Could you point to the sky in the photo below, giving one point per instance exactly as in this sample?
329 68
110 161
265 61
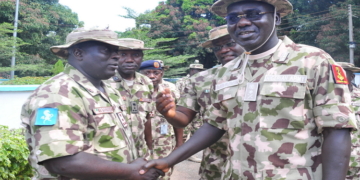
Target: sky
104 13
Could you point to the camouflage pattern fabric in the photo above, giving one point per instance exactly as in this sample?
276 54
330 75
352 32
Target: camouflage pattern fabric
196 97
354 166
163 144
139 102
278 135
180 83
196 123
88 121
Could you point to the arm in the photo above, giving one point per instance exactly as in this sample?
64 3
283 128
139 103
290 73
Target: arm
177 116
87 166
204 137
178 137
148 134
335 153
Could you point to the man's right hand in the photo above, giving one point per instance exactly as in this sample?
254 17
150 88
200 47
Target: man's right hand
150 174
165 104
160 164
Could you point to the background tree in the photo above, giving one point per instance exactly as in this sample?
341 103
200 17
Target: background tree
323 24
162 46
44 23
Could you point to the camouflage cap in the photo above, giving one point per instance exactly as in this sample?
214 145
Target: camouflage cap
214 34
196 65
82 35
132 44
284 7
349 66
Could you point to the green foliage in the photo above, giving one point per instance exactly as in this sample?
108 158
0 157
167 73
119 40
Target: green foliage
324 24
44 23
58 67
13 155
26 81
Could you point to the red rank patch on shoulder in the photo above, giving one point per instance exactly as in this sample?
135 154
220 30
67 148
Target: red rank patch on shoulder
339 74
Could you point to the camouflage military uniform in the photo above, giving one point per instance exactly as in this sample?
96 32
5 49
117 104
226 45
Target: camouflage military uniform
139 106
163 144
196 97
354 169
197 122
277 135
88 121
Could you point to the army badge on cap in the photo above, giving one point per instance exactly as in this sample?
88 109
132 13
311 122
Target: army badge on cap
196 65
283 7
214 34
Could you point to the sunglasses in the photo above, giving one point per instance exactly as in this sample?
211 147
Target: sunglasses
228 45
251 16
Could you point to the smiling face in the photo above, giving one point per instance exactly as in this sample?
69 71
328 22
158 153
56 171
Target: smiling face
98 60
252 31
130 61
228 51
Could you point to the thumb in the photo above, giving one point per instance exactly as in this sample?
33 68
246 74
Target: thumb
167 91
146 167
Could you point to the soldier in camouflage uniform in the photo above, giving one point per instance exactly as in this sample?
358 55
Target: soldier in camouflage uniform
136 90
354 165
285 106
165 136
195 99
76 126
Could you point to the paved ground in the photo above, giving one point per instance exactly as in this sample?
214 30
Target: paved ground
187 170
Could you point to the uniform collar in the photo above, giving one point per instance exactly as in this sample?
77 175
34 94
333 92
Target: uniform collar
138 78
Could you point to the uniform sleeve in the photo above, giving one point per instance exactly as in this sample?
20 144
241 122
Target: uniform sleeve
64 138
188 99
331 100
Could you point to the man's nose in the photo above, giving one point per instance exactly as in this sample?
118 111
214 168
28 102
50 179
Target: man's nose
243 22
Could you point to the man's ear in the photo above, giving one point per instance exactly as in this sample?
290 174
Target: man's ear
78 53
278 19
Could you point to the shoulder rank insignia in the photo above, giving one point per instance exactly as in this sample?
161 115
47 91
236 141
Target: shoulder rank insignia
339 74
46 116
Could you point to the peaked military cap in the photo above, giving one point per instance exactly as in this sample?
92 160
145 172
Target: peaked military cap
150 64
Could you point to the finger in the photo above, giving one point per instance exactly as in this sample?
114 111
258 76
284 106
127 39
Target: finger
145 168
160 172
167 91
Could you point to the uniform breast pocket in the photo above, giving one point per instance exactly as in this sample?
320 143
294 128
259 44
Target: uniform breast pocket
229 105
282 105
108 135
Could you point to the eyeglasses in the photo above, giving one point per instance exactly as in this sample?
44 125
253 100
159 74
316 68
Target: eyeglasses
251 16
156 73
228 45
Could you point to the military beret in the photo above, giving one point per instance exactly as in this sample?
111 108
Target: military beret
150 64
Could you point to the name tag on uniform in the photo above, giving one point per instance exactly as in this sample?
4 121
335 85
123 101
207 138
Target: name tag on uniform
163 128
134 107
226 84
355 104
103 110
251 91
46 116
122 120
286 78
